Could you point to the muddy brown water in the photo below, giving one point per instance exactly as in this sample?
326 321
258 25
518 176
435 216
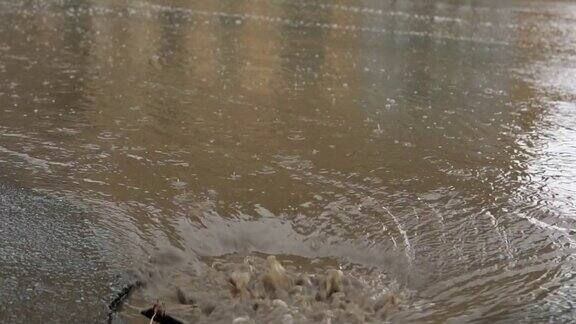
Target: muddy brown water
426 145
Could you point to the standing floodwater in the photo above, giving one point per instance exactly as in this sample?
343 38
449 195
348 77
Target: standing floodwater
428 146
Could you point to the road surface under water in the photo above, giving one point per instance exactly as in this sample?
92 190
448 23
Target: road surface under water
429 144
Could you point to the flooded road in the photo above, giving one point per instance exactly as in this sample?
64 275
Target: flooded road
426 145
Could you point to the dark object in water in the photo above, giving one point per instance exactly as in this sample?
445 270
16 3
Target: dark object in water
116 303
160 317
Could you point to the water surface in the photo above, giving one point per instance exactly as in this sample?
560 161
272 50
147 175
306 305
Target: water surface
431 143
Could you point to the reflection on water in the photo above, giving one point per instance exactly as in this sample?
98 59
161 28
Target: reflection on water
431 142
